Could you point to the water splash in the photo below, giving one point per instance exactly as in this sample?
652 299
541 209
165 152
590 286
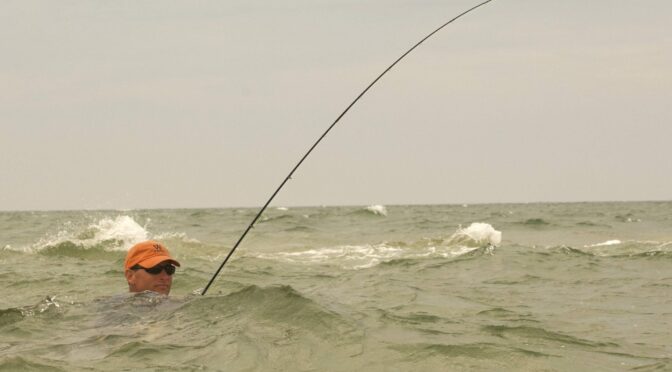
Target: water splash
377 209
113 234
478 234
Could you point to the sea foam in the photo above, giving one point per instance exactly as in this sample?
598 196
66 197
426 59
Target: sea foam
604 244
377 209
123 228
478 234
116 234
463 241
628 248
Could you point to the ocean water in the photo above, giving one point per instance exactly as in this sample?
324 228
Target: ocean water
520 287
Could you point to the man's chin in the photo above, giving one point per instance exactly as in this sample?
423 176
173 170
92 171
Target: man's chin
162 289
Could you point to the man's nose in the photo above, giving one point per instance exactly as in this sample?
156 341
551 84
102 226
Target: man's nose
164 275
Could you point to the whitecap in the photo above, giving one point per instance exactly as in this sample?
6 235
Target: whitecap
463 241
604 244
122 228
348 256
477 234
123 231
377 209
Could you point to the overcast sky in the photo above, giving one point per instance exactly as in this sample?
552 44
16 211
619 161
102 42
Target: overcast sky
161 104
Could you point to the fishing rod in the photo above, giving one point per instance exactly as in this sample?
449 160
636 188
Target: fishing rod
289 176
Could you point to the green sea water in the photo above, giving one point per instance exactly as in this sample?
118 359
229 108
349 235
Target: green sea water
519 287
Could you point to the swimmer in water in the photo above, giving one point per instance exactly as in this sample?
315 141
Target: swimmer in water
149 267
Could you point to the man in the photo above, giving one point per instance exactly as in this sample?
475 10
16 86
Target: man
149 267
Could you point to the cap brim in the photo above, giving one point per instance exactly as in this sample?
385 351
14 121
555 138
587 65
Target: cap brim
153 261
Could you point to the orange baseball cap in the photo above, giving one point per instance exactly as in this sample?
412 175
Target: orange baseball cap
148 254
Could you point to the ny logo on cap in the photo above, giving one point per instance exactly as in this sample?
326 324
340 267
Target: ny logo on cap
157 248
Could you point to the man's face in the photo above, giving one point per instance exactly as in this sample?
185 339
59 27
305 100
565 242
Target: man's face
140 280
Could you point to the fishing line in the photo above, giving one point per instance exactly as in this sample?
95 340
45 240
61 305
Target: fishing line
289 176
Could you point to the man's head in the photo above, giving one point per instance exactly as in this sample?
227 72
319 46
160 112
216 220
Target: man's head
149 267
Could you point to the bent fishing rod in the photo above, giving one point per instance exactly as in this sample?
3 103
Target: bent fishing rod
289 176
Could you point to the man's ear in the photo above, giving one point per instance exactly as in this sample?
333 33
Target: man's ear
130 276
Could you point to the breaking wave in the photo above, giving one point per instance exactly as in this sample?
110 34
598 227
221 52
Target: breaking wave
378 210
371 210
111 234
463 241
477 235
116 234
604 244
617 248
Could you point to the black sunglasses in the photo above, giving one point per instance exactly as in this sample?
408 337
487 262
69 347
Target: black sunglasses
156 270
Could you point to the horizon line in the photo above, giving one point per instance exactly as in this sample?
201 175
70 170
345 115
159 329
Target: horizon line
335 205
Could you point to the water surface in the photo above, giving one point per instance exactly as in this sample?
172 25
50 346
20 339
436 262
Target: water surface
580 286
